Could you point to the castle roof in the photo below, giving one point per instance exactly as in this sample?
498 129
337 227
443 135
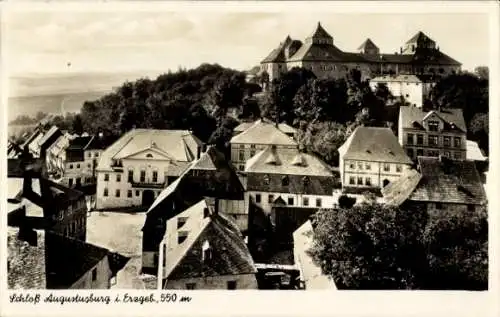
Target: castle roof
419 37
367 44
320 32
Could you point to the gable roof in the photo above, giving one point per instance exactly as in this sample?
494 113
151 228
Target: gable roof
49 134
445 181
263 132
368 43
310 272
398 191
320 32
180 144
474 153
230 255
409 115
38 131
281 126
287 162
375 145
420 36
277 55
79 143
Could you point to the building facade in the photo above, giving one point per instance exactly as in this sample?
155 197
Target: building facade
410 87
419 55
371 158
203 249
432 133
134 169
252 138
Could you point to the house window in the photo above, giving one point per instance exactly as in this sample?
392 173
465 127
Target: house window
117 193
90 155
432 153
266 179
351 180
368 181
137 193
447 154
398 168
129 193
305 201
191 286
155 176
130 176
457 156
89 166
409 138
70 182
105 192
433 125
420 152
351 165
143 176
410 152
368 166
181 237
241 167
433 140
457 142
180 222
257 198
96 154
94 274
70 166
439 206
387 167
284 181
470 208
318 202
420 139
241 155
446 141
106 177
270 198
231 285
360 180
77 165
360 165
78 181
290 201
118 177
149 155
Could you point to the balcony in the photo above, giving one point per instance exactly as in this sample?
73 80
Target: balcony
148 184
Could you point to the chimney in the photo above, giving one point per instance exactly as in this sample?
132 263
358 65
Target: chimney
198 152
400 50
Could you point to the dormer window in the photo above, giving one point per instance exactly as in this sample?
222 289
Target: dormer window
181 221
181 236
285 181
206 254
433 125
266 180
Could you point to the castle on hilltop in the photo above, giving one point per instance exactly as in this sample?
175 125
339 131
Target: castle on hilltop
418 56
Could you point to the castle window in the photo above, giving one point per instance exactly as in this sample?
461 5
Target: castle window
149 155
105 194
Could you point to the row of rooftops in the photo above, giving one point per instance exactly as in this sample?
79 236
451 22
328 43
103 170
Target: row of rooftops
319 46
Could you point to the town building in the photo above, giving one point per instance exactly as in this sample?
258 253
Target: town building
204 249
251 138
438 185
311 275
209 176
40 259
419 55
56 155
32 143
371 158
432 133
278 176
135 168
413 89
76 172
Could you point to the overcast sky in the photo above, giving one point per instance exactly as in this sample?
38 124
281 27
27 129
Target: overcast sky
42 42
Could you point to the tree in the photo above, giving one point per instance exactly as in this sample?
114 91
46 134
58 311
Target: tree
479 130
483 72
77 125
223 134
366 247
458 251
346 201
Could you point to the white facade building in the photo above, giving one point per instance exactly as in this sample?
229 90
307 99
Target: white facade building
371 158
134 169
411 87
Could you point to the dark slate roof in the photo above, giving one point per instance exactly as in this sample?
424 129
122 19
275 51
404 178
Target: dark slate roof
79 143
297 184
320 32
449 181
69 259
277 55
361 191
375 145
420 36
54 130
230 255
398 191
368 43
100 143
323 52
26 263
17 166
409 115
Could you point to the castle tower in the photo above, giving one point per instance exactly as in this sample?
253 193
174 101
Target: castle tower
419 40
320 36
